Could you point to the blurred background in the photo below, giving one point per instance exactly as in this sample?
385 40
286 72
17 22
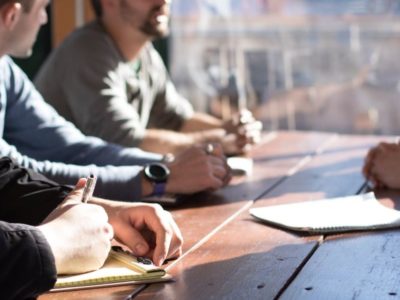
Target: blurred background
325 65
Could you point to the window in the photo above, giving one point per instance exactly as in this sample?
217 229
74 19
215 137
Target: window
297 64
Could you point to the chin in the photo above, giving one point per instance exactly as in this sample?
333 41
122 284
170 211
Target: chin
22 53
160 31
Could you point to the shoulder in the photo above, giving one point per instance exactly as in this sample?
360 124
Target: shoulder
88 51
87 42
7 64
10 72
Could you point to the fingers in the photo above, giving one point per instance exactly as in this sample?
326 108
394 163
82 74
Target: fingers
168 239
243 138
250 133
131 237
148 230
377 164
248 128
214 149
219 168
213 162
195 170
368 162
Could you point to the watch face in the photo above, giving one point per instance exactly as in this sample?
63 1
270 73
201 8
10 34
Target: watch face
156 172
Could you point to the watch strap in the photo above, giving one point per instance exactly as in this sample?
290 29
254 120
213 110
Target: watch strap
159 188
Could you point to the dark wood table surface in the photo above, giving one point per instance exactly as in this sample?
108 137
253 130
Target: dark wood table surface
229 255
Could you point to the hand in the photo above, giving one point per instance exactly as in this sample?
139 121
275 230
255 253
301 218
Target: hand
193 170
79 234
243 131
381 165
366 170
147 229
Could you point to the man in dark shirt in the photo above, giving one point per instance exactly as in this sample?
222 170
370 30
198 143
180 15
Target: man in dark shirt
45 230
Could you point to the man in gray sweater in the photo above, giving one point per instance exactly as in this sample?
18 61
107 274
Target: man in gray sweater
108 80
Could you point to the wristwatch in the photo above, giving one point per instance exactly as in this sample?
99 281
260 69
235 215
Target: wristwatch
157 174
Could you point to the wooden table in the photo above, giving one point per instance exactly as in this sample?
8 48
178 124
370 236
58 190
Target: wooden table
228 255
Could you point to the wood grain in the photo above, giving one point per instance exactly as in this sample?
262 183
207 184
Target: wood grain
246 259
227 254
363 266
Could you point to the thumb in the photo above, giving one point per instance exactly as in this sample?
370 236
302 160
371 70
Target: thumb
71 200
76 193
81 183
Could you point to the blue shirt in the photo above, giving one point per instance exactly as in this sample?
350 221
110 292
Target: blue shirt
36 137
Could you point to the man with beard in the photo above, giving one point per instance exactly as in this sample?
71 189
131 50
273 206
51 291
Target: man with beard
109 80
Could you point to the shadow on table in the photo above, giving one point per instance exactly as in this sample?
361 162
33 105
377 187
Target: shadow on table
252 276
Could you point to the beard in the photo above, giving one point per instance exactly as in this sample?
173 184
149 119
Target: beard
149 26
159 30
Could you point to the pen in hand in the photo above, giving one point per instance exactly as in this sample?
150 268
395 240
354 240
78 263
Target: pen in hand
89 188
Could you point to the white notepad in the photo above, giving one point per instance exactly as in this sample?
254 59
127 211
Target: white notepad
360 212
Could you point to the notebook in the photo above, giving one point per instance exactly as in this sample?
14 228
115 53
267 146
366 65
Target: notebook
120 268
360 212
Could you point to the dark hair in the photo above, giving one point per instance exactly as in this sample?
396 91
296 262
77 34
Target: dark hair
26 4
96 5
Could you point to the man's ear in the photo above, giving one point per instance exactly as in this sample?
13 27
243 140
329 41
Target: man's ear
10 14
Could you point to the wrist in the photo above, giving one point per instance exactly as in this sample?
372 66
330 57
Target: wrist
147 187
50 236
156 175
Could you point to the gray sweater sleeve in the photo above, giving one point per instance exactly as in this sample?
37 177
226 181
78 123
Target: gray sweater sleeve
27 263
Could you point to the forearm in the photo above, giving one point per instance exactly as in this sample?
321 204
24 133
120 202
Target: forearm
121 183
117 183
165 141
114 182
201 121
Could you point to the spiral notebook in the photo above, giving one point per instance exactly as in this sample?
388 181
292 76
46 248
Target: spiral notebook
120 268
359 212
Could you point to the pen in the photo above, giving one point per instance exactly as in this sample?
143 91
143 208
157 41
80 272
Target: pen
89 188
